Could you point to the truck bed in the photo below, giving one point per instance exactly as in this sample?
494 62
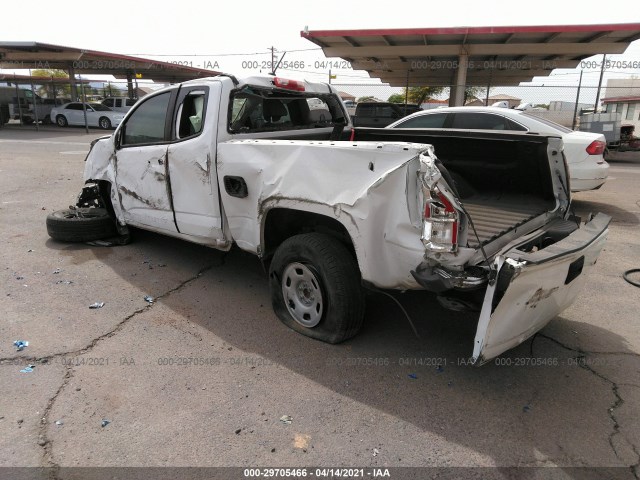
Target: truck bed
494 216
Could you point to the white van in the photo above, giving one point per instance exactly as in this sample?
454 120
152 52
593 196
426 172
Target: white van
119 104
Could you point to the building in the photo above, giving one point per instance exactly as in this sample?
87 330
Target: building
622 96
500 97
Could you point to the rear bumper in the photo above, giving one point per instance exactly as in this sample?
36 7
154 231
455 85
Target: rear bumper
588 175
533 288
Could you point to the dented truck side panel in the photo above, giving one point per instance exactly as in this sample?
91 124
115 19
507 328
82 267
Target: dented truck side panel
349 182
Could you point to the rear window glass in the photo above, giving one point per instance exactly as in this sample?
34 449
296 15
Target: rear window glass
433 120
548 123
263 110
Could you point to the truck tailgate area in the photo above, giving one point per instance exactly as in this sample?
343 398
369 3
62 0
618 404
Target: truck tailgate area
494 216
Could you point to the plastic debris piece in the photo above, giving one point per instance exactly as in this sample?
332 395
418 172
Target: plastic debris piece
30 250
28 369
21 344
104 422
96 305
526 408
286 419
149 299
59 422
57 271
439 369
413 376
375 452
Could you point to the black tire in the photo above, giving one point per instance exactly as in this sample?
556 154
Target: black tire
338 277
61 121
104 123
81 225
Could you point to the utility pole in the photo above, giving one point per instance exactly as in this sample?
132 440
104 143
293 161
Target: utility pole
575 109
604 60
273 60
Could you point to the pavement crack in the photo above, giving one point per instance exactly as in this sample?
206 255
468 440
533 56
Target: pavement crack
618 402
119 326
43 440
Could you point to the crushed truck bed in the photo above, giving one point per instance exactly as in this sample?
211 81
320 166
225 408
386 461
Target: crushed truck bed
494 216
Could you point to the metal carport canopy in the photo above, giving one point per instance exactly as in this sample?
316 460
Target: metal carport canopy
487 55
35 55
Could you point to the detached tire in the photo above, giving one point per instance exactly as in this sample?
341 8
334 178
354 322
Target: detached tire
315 288
81 225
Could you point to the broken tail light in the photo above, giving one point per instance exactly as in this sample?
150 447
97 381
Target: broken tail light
596 147
440 223
289 84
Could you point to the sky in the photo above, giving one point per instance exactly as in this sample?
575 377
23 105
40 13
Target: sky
235 37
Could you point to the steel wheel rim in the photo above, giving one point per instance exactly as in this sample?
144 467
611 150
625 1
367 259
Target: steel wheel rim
302 294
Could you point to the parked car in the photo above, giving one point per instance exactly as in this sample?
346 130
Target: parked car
97 115
119 104
222 161
381 114
583 150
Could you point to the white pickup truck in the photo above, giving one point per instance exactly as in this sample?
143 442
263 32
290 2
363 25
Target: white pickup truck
333 210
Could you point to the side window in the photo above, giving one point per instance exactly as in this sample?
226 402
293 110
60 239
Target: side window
367 111
147 123
434 120
74 106
191 114
130 102
479 121
108 102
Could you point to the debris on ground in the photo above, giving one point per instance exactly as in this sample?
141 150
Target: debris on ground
286 419
64 282
104 422
57 271
149 299
19 277
96 305
413 376
526 408
439 369
238 431
30 250
375 452
21 344
59 422
28 369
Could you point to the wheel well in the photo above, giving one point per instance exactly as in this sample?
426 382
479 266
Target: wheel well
282 223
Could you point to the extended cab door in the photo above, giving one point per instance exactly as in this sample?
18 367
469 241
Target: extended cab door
141 163
533 287
192 162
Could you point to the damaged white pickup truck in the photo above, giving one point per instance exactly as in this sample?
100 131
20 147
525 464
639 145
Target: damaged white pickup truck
274 166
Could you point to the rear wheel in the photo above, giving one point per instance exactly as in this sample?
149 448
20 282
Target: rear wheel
80 225
315 287
61 120
105 123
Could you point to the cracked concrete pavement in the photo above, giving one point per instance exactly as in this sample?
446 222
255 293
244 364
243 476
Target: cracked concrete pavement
202 376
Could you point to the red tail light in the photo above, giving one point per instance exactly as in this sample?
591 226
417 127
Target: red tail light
440 226
289 84
596 147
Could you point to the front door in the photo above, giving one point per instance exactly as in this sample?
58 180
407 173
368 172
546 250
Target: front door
141 162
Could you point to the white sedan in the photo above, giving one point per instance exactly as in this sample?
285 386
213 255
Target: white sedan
97 115
583 150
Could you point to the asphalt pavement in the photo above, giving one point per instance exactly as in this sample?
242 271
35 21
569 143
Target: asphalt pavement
207 376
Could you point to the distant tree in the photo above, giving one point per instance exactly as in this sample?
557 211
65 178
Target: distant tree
61 90
419 94
366 99
396 98
473 92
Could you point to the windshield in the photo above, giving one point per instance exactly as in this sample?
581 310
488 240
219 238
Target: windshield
548 123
